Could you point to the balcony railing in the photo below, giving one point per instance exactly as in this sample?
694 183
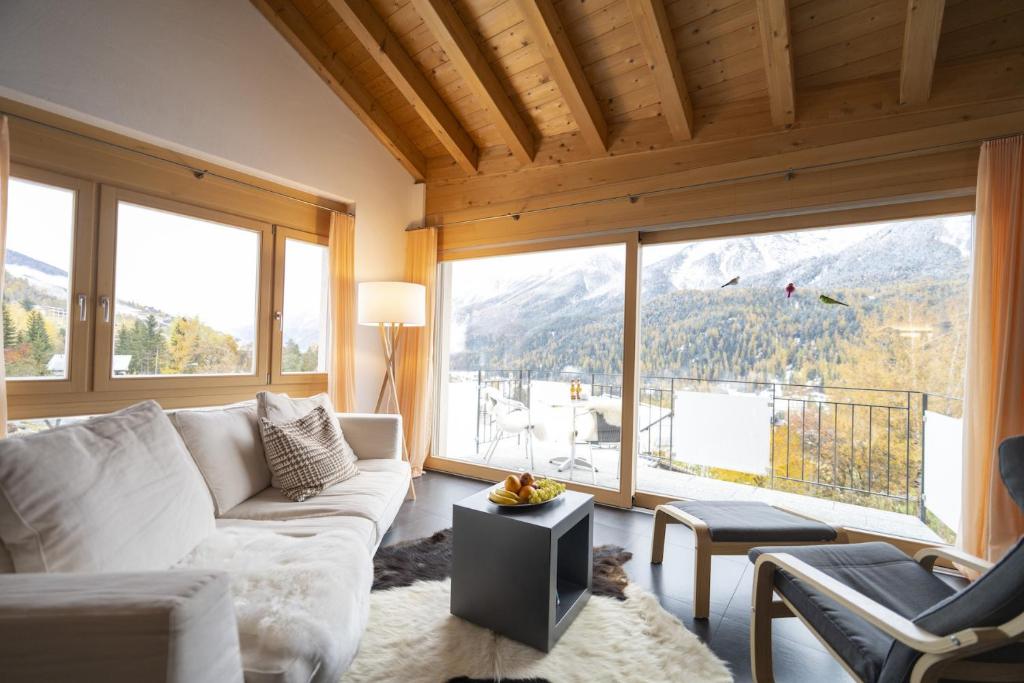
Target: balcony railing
855 444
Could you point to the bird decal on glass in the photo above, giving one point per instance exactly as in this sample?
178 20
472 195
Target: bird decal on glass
830 301
734 281
790 288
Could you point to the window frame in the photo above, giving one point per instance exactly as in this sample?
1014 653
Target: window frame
80 282
277 376
106 275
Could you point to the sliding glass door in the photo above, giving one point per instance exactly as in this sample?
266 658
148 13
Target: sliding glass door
816 368
531 360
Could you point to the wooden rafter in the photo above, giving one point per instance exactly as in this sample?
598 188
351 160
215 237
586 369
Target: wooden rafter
455 39
301 35
920 45
773 18
554 45
385 49
659 48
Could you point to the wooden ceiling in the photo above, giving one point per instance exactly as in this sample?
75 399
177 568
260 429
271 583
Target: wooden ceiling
474 87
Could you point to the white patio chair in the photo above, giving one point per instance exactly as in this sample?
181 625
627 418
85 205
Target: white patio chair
512 418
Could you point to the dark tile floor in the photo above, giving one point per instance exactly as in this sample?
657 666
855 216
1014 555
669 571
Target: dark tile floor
798 656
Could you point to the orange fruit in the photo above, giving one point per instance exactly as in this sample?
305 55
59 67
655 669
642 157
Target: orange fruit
525 493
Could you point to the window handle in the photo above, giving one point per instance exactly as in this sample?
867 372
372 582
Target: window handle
279 317
83 311
105 305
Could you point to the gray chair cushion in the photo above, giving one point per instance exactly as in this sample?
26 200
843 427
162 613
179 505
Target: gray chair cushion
993 599
749 521
877 570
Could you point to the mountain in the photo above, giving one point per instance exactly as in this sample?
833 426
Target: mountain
898 276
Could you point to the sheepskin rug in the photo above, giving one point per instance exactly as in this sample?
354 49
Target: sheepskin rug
296 599
412 637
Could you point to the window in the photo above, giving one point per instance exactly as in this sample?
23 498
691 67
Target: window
37 283
761 384
531 362
305 313
186 295
115 296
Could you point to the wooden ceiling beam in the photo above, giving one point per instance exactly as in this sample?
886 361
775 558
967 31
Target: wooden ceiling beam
444 23
659 48
300 34
557 50
773 19
920 45
385 49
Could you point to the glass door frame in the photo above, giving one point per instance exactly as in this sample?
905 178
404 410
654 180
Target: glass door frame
623 496
634 239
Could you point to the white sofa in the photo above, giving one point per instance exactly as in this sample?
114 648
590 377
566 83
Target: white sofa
149 546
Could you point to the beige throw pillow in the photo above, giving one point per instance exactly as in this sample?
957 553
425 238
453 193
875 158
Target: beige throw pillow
306 455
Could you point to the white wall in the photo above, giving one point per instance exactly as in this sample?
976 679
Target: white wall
943 467
212 78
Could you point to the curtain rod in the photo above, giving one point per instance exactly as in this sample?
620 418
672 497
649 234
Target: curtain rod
198 173
634 196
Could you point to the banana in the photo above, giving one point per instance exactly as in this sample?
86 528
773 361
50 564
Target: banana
503 498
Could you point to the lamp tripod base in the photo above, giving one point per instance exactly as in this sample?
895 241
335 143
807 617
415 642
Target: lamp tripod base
387 398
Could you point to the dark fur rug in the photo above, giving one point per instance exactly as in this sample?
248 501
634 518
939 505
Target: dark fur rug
430 559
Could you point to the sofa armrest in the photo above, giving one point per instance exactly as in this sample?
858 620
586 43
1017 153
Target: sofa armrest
373 437
170 626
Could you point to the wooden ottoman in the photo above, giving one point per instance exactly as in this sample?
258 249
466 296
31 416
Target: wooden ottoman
726 527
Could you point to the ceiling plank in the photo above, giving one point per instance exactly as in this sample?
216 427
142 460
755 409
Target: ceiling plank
300 34
920 45
455 39
556 48
773 19
385 49
659 48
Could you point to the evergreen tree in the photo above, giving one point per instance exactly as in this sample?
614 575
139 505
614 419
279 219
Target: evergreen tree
10 332
39 343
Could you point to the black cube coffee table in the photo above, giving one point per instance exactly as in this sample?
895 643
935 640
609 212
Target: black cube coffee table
524 573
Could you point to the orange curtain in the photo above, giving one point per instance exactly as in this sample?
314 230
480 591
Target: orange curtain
416 355
341 368
994 383
5 173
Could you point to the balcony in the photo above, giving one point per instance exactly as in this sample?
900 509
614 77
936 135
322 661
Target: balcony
850 456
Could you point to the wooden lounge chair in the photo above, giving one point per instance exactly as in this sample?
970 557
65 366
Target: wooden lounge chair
730 527
886 617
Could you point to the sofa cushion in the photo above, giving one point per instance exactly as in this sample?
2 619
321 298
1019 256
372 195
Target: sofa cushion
115 493
306 455
226 445
301 603
376 494
361 527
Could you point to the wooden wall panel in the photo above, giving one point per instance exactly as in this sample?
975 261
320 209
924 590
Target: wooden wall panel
906 179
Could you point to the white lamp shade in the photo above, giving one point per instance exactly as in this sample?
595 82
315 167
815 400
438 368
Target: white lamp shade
392 303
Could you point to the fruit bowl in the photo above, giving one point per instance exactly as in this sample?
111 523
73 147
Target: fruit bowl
524 491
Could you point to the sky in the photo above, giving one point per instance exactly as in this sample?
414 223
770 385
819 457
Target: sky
39 222
187 266
178 264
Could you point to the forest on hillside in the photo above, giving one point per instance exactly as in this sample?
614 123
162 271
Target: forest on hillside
908 336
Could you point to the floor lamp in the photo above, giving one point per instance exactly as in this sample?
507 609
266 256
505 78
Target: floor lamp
391 306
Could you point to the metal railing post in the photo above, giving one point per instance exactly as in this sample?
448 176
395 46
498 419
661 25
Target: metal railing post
671 421
479 384
921 510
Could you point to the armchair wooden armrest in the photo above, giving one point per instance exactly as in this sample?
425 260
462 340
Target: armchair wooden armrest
926 557
878 615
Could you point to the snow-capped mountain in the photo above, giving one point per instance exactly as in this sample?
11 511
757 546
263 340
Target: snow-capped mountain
549 293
